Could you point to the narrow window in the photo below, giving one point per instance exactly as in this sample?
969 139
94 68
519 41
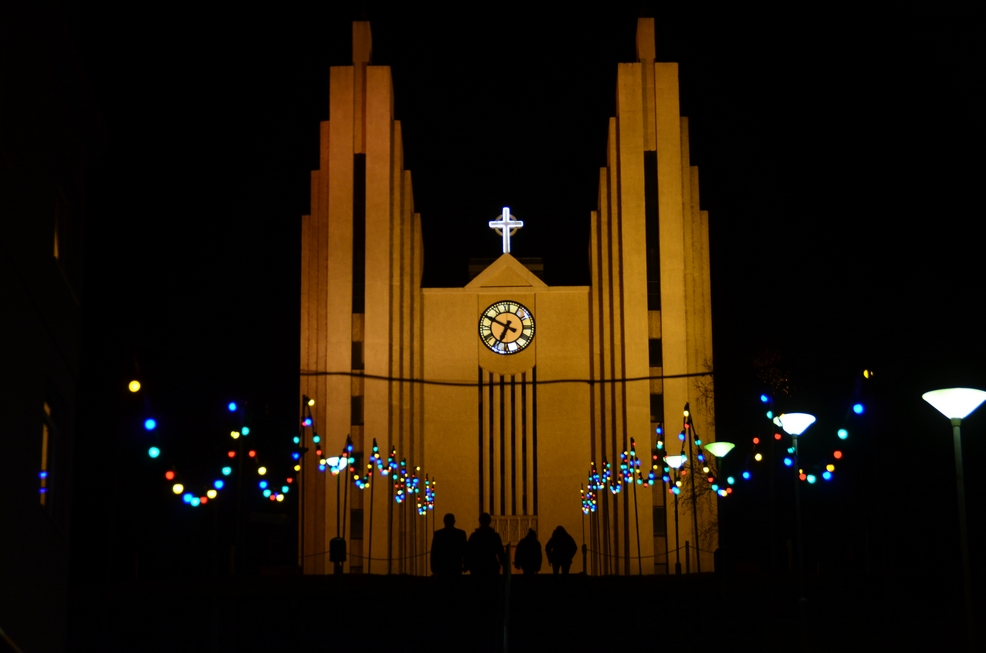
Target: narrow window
357 411
660 522
357 355
654 351
656 408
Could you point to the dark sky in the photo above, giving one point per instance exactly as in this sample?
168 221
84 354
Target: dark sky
836 153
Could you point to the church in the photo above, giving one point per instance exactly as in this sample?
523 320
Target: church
506 391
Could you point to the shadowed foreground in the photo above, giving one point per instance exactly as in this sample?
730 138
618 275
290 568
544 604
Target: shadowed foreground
546 613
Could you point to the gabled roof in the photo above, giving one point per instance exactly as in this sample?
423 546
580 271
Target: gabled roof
506 272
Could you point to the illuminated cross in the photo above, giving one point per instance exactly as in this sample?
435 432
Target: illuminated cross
505 227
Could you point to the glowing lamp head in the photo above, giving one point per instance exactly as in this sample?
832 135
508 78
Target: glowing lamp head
134 386
150 424
675 462
955 403
177 488
232 406
153 452
794 424
719 449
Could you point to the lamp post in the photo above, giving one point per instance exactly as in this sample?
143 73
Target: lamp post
675 463
794 424
956 404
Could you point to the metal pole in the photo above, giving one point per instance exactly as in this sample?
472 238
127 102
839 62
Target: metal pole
797 512
963 534
345 498
677 552
691 461
636 517
369 546
390 528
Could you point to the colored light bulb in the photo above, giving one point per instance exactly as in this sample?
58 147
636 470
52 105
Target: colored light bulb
169 475
211 494
177 488
232 406
764 398
245 430
150 424
218 485
262 471
153 452
843 434
227 471
134 386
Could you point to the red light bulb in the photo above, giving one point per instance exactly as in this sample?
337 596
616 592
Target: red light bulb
232 454
169 475
838 455
252 453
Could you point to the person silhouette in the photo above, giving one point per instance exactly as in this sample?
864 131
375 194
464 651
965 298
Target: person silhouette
448 549
484 550
528 556
561 548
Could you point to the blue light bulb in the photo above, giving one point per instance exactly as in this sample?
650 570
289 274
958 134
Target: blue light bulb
843 434
316 439
297 440
153 452
245 430
263 484
770 414
195 502
731 480
788 462
676 490
284 489
150 424
715 487
764 398
827 475
187 497
321 468
227 471
266 493
295 455
746 476
218 485
811 478
858 409
232 406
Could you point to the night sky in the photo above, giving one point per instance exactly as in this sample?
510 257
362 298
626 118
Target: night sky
836 155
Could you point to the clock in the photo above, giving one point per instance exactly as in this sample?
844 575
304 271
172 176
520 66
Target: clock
506 327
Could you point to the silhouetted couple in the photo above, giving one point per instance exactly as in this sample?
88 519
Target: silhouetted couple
481 555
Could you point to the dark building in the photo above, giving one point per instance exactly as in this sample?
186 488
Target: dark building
50 136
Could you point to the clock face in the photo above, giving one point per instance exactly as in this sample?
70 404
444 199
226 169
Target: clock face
506 327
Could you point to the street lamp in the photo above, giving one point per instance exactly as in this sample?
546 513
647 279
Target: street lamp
794 424
675 463
956 404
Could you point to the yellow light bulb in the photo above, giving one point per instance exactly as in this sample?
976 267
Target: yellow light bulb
758 457
686 413
705 470
830 468
211 494
297 468
678 483
280 497
234 434
177 488
311 402
134 386
262 471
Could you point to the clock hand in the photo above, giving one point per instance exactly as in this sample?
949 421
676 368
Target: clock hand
507 325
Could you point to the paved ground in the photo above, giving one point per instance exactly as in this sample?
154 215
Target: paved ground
544 613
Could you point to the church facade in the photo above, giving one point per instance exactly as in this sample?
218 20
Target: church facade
504 391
